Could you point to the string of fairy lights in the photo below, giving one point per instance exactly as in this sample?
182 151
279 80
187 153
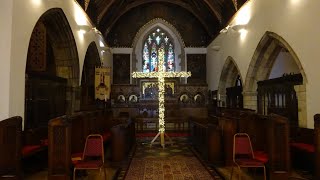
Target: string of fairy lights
161 75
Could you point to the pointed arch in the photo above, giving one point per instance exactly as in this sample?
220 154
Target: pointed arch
52 45
265 55
145 30
229 74
91 60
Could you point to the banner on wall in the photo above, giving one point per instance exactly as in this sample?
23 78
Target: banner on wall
102 83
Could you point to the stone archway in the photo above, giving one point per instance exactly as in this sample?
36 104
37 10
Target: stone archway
92 60
53 61
145 30
268 49
228 78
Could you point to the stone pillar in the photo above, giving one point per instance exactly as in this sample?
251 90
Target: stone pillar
250 100
317 145
302 106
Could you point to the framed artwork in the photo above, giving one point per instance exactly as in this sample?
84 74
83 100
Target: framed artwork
184 98
198 98
121 98
150 89
133 98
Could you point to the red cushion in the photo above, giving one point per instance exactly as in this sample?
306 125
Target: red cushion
76 158
44 142
261 156
30 149
89 164
304 147
106 136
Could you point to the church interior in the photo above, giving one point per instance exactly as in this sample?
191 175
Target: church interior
159 89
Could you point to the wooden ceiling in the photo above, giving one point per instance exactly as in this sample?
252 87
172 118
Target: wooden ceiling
207 17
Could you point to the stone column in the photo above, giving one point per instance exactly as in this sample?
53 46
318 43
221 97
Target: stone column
250 100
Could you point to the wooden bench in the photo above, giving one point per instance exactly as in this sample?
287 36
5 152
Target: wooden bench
317 145
122 139
269 136
302 148
10 151
206 139
67 136
34 149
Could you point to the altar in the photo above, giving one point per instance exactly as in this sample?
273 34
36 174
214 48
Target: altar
141 104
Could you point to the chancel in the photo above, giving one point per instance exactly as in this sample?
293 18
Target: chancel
120 71
161 75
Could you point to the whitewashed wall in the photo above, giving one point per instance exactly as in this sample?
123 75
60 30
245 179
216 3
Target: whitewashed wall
294 21
17 20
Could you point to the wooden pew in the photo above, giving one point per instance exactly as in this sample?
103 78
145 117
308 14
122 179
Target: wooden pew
10 151
305 148
59 165
278 147
206 139
122 139
317 145
67 136
269 136
34 149
302 146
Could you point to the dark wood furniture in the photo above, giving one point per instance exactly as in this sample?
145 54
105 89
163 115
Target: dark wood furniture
10 151
269 136
279 96
317 145
67 136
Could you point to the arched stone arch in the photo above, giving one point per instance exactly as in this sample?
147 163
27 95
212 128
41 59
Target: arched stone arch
60 53
148 28
91 60
269 47
228 77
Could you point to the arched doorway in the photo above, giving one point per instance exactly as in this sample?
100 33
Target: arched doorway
92 60
52 70
272 86
230 86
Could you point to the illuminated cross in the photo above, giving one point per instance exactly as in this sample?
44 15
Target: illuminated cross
161 74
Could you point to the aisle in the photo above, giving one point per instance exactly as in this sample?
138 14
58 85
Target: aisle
173 162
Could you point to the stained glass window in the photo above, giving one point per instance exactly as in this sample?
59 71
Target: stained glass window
152 43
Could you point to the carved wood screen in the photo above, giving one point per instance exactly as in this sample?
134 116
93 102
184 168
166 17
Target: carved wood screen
37 49
197 66
45 99
278 96
121 68
234 95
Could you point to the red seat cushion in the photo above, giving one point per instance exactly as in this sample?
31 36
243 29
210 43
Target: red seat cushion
106 136
30 149
89 164
261 156
76 158
44 142
304 147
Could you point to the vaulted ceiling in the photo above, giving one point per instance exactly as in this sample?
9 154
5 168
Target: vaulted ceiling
120 20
